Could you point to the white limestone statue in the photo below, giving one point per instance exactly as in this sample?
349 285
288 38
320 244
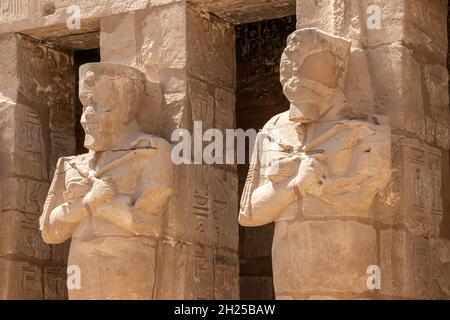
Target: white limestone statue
316 162
110 201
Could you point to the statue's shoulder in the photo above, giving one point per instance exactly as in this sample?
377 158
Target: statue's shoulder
277 121
70 167
144 141
155 156
284 132
67 162
372 124
358 118
82 159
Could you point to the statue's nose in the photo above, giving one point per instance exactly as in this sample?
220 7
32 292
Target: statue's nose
83 120
86 99
88 115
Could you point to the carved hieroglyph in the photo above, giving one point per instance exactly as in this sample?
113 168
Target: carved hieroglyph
111 200
315 171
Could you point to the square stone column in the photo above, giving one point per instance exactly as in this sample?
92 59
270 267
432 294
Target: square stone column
188 57
37 92
399 69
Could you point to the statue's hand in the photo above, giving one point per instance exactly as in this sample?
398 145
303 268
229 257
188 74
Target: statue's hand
103 191
311 174
76 189
282 169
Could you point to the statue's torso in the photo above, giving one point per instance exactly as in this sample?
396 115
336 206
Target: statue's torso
125 183
306 243
106 253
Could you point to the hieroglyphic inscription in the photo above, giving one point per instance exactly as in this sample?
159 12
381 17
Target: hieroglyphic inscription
29 149
18 8
29 238
201 206
226 275
422 265
30 282
434 183
202 104
55 283
422 211
224 187
202 273
24 195
63 144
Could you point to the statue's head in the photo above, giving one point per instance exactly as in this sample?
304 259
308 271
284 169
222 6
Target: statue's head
111 95
312 71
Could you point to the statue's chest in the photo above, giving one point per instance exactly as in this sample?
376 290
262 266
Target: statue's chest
281 141
124 171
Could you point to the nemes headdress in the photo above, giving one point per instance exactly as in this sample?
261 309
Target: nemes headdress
113 71
304 43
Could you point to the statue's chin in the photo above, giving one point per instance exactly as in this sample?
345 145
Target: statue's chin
304 113
93 144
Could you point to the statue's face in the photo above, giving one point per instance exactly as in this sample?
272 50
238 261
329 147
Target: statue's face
108 104
311 85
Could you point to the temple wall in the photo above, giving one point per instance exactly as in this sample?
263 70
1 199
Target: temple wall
20 15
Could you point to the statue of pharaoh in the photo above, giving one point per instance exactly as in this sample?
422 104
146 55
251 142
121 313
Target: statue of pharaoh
320 161
111 200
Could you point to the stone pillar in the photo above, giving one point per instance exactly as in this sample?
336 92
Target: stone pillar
37 92
400 70
189 59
